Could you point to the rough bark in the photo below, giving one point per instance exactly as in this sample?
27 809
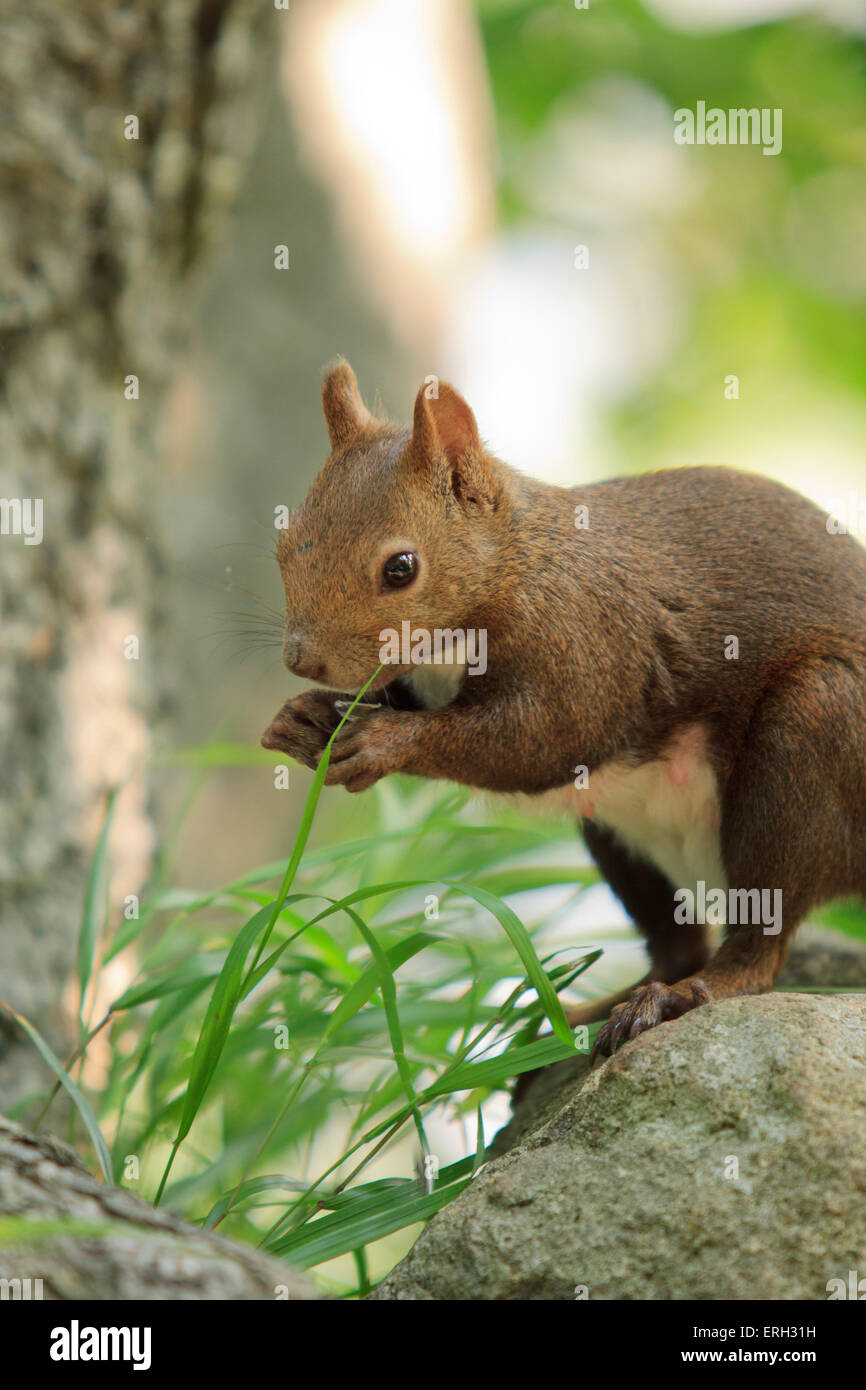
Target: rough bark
87 1241
100 239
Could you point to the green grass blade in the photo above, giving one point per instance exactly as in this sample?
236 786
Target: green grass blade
306 824
340 1232
395 1031
252 1188
217 1021
356 997
74 1092
497 1071
519 937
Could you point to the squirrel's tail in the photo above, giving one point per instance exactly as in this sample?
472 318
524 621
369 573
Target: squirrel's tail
595 1010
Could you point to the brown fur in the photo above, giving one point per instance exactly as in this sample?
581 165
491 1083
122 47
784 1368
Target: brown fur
602 643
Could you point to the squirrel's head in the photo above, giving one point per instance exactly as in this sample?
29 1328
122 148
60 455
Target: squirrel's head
401 525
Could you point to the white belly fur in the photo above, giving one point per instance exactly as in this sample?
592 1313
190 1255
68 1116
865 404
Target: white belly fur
666 811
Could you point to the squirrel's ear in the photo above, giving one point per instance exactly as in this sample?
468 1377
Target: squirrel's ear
345 412
444 424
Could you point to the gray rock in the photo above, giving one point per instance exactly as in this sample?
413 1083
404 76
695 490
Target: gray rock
621 1185
823 958
820 958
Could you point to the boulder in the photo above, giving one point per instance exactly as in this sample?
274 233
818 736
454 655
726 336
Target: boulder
719 1156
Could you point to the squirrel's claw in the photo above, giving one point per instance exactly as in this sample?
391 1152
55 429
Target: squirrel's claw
649 1005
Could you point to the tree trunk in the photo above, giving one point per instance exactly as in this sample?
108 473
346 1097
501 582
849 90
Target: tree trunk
63 1235
100 236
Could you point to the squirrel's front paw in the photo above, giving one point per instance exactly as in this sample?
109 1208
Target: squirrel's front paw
300 729
363 753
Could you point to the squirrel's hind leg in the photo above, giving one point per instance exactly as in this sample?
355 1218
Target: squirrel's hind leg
792 836
675 949
647 895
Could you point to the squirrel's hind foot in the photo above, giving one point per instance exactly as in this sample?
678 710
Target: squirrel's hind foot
649 1004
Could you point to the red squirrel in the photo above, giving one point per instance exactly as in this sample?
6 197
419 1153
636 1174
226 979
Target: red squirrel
681 654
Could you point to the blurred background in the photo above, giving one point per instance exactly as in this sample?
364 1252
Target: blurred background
489 192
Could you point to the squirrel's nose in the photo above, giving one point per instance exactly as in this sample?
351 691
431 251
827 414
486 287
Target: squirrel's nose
299 662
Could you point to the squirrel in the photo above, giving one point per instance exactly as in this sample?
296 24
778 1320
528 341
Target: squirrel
680 654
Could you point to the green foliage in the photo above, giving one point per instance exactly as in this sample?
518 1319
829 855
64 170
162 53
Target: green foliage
846 915
763 251
275 1045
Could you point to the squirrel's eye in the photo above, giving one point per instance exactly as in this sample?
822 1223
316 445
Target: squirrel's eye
400 570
